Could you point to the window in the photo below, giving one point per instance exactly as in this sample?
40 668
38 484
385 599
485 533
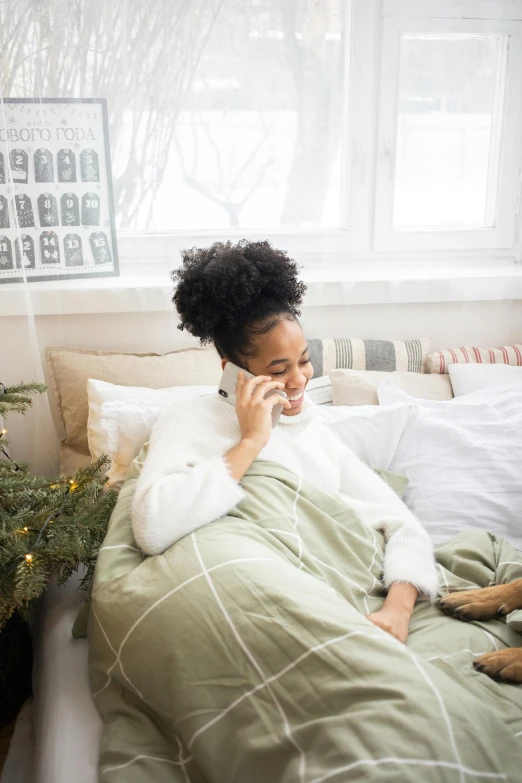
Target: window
257 141
449 121
347 131
448 154
223 114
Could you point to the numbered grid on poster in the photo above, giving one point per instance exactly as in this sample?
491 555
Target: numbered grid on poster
56 202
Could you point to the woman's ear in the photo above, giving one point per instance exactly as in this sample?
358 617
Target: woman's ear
223 362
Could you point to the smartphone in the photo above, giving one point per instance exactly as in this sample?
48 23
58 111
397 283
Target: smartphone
228 383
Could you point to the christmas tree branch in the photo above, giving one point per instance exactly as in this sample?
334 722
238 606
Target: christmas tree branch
15 399
26 388
47 526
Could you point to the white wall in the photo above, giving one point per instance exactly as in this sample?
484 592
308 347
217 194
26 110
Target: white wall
33 437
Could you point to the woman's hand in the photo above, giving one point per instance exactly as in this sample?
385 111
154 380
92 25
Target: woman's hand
253 411
255 420
395 615
392 620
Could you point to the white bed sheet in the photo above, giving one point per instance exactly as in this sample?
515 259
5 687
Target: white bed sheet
67 727
18 767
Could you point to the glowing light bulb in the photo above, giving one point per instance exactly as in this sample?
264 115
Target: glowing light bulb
25 530
28 557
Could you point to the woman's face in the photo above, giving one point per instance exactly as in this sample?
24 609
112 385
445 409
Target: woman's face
282 353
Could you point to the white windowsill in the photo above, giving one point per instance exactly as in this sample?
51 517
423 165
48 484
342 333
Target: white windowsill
351 286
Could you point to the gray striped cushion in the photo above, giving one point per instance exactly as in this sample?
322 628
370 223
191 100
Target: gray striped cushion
354 354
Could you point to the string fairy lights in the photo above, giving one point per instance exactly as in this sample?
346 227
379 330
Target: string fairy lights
71 486
49 525
31 496
27 499
28 557
3 433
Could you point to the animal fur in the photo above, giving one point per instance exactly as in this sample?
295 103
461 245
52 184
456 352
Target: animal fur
486 604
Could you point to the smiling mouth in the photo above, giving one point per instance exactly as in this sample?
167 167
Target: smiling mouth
296 399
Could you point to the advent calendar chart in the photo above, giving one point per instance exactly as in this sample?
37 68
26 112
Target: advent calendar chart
56 200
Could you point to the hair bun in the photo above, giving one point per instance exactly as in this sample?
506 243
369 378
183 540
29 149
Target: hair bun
220 288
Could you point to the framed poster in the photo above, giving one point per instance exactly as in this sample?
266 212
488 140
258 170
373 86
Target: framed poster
56 200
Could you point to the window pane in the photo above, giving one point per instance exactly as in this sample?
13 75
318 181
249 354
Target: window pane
449 113
222 112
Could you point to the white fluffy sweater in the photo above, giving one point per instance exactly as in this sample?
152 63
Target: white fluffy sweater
185 482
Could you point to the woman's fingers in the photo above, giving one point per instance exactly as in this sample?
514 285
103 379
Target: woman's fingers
260 390
276 399
252 383
254 390
244 387
254 412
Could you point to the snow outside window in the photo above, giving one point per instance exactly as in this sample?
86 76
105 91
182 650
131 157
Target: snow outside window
346 131
223 114
448 141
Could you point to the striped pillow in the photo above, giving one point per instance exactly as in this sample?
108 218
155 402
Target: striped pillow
352 354
507 354
319 390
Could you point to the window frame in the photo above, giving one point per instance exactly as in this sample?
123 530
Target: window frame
501 235
352 246
314 247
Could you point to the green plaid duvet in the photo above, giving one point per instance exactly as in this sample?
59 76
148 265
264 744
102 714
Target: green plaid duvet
242 654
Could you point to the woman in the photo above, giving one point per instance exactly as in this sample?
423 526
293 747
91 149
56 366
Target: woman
244 298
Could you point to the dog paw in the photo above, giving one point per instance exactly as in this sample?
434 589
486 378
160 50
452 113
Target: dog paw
482 604
501 665
469 606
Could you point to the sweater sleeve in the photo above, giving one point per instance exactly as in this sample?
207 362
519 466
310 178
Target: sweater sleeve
408 555
185 481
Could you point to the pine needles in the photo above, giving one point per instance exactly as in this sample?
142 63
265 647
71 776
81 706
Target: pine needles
47 526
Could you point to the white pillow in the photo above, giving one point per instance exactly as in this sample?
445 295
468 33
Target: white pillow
371 431
463 460
121 419
468 378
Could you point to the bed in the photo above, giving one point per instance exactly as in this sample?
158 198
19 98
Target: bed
58 733
67 727
242 653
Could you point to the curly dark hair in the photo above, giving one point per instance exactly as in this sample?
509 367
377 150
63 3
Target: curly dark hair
229 294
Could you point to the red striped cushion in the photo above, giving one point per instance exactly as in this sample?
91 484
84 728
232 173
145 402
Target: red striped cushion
506 354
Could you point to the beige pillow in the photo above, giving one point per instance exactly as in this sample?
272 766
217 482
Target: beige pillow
359 387
69 369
